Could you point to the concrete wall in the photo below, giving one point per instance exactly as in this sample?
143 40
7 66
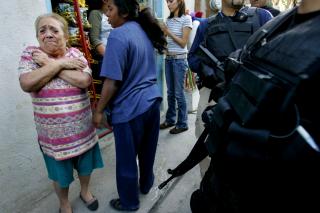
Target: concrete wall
22 173
23 176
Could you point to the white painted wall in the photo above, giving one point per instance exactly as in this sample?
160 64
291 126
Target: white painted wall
23 176
22 172
190 5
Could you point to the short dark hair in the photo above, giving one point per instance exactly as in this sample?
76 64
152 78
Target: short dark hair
94 5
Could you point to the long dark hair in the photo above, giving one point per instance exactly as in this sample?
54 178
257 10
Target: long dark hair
146 20
94 5
181 8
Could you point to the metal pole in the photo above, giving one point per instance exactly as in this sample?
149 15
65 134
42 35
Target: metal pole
84 44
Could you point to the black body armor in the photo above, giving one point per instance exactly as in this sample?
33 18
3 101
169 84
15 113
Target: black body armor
261 162
224 35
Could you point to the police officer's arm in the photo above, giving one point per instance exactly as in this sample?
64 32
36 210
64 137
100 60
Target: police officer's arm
264 16
193 59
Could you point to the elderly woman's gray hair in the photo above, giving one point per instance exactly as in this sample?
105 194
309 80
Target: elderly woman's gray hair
63 22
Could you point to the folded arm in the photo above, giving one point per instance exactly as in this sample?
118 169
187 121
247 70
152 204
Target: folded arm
77 78
69 69
35 80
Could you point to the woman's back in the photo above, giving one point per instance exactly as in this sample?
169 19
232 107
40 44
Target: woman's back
131 57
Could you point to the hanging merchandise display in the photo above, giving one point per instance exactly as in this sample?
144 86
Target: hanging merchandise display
76 17
75 12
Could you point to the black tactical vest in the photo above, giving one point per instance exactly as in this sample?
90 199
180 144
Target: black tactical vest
274 64
259 104
224 35
260 171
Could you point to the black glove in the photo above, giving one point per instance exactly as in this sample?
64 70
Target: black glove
208 76
232 64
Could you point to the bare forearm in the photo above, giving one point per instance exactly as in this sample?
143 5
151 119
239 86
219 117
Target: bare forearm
100 49
35 80
182 42
76 78
109 89
49 69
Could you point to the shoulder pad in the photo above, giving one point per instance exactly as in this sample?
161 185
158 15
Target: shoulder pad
212 18
251 11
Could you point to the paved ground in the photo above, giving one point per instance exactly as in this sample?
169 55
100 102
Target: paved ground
174 198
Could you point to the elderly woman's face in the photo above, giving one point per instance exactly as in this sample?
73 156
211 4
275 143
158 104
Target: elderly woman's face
51 36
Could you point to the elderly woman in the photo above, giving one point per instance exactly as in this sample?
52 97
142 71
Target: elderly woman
57 77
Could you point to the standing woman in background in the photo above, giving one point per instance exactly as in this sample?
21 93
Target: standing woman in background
131 92
99 33
100 26
178 27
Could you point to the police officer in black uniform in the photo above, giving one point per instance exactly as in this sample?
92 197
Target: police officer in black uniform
220 35
264 139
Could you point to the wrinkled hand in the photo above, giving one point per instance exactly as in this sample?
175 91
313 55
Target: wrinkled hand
40 57
72 64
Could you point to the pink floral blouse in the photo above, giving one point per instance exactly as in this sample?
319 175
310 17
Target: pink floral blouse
62 112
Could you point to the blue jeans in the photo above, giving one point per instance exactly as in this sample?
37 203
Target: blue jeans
175 74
